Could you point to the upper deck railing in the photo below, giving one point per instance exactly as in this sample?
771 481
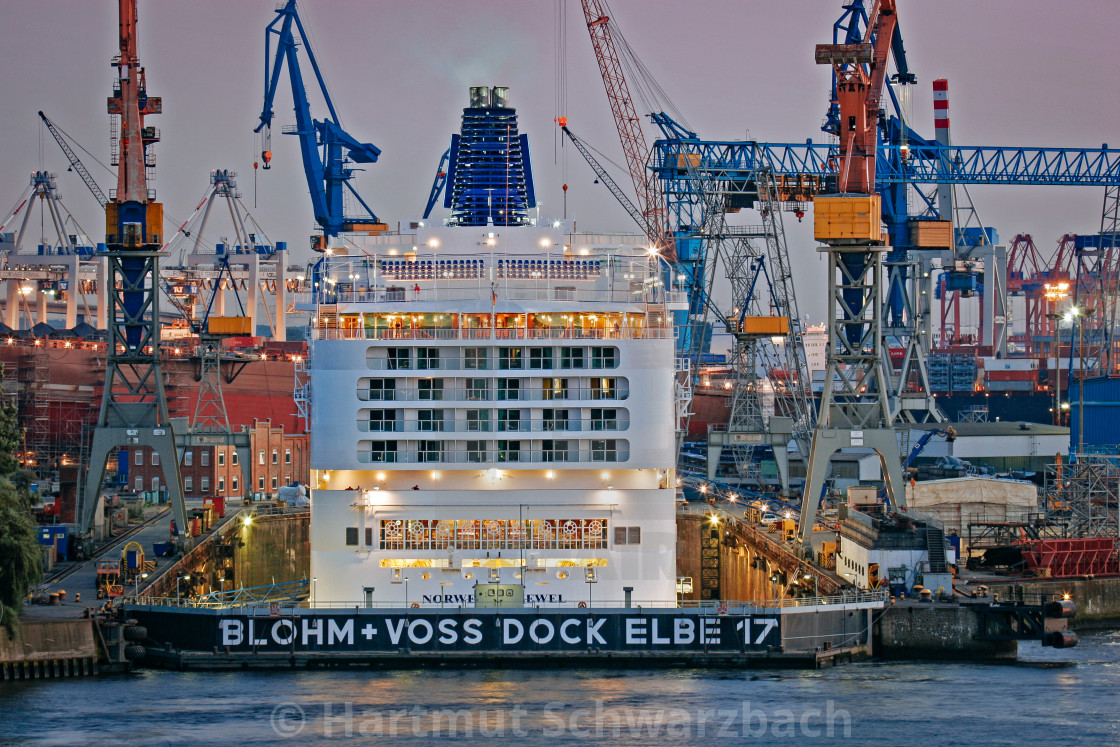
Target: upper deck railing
491 279
664 332
344 293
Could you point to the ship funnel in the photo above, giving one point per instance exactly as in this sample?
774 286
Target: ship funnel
489 176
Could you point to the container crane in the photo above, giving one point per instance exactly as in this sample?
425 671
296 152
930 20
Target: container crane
325 146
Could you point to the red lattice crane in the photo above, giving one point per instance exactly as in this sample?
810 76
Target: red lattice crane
647 188
1043 282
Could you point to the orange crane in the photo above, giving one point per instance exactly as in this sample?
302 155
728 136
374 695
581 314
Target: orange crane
854 406
647 188
861 71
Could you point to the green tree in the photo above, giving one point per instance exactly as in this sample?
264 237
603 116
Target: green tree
20 556
10 434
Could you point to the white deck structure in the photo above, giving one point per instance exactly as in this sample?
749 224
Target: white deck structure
492 406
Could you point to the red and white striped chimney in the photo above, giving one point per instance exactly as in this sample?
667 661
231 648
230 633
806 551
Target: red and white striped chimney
941 134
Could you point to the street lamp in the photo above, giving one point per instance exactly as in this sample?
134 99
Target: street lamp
590 578
137 578
178 579
313 580
1053 317
1085 314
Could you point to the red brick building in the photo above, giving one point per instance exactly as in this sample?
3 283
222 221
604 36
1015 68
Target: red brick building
276 459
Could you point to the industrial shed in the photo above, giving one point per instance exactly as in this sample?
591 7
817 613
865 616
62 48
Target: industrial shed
960 501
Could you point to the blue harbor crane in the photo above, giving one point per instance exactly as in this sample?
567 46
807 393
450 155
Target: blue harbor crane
692 169
325 146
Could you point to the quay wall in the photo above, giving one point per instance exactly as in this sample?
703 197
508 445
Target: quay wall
267 550
934 632
718 561
48 648
1097 599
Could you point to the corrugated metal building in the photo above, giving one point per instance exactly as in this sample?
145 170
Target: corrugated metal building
1101 411
1005 447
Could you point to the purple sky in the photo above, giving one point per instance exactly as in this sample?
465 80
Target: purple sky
1020 72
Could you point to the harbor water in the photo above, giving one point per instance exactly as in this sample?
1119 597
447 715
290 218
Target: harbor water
1049 697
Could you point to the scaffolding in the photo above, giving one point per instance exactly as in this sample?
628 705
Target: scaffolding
1083 495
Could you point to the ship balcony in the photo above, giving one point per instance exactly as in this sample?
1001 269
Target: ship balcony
614 391
528 425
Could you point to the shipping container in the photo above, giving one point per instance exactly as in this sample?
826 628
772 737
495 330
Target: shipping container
1011 375
931 234
766 326
230 325
857 217
1010 386
1011 364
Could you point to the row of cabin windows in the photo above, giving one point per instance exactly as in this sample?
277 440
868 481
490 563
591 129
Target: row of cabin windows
512 358
602 419
204 458
859 569
551 450
622 536
433 390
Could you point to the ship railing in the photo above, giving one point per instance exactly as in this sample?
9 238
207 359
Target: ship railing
645 294
491 333
709 607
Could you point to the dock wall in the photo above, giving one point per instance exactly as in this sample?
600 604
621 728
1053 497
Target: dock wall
1097 599
277 549
929 631
49 648
724 569
267 550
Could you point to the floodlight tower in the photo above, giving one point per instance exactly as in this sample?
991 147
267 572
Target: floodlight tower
133 404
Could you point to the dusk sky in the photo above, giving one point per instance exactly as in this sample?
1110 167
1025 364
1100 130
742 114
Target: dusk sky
1022 72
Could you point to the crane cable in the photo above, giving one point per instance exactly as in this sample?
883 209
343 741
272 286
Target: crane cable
649 92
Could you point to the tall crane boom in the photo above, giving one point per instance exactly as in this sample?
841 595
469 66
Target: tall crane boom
647 189
327 173
607 179
75 162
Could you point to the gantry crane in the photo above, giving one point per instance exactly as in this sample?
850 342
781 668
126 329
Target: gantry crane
327 171
759 313
854 409
133 404
905 160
